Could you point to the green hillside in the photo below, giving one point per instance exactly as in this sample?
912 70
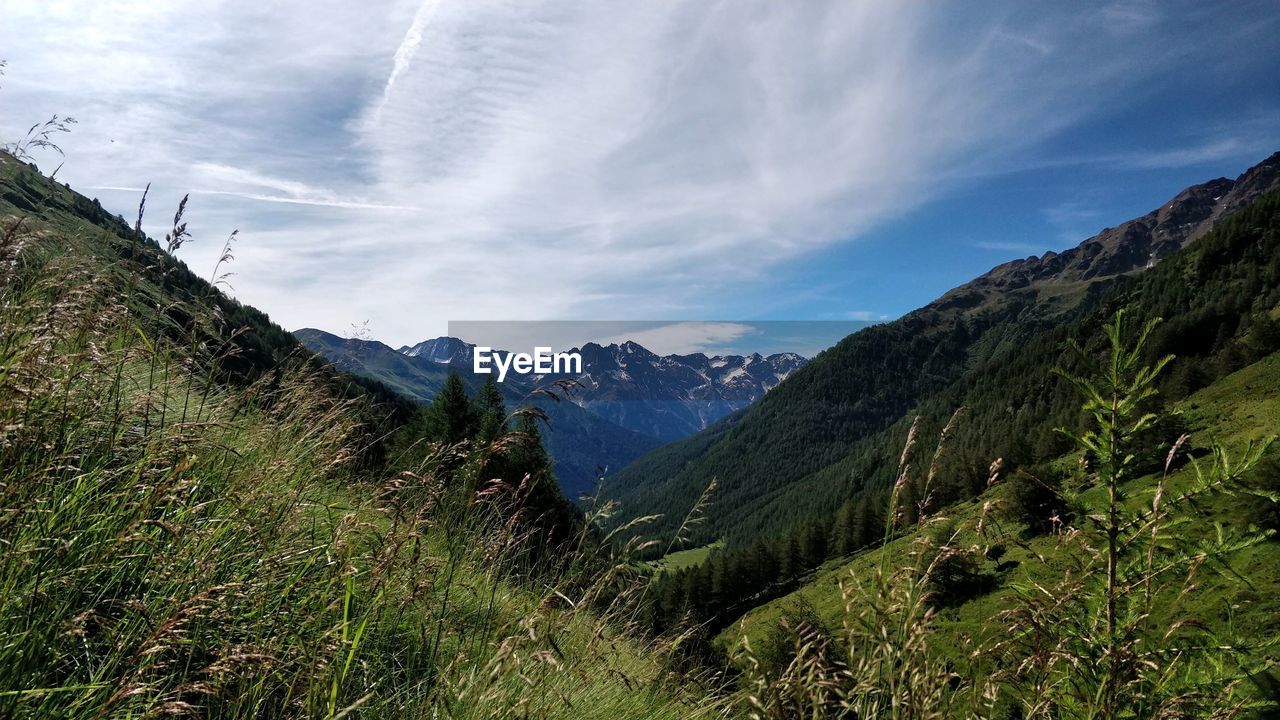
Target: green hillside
1218 298
1240 408
831 431
199 519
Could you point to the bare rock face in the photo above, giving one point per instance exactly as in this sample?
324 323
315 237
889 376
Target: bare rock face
1131 247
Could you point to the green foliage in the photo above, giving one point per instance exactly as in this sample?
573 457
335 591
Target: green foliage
1036 499
957 574
1111 621
490 411
450 417
878 664
582 442
833 430
1102 642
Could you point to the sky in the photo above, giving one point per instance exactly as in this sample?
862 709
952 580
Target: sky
664 337
394 166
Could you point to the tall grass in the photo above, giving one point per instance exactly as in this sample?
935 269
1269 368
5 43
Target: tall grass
173 543
1114 636
880 662
178 541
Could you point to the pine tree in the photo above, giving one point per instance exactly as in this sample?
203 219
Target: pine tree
764 565
842 532
869 523
490 411
529 464
814 549
1112 639
792 556
530 457
451 417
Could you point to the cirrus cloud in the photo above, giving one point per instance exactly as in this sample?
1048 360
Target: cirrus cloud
408 162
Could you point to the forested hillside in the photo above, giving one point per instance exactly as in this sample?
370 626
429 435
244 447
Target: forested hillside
1218 299
827 436
1238 409
699 366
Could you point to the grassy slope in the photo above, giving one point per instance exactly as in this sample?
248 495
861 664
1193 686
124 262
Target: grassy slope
1234 410
179 545
686 558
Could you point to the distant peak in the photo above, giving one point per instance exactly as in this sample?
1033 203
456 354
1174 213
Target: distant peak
441 349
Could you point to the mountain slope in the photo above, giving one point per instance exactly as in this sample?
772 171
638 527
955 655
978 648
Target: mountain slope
807 446
1234 410
673 396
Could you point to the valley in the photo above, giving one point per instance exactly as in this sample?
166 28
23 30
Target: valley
437 360
826 512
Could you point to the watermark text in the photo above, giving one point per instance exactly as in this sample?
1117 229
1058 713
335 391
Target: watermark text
542 361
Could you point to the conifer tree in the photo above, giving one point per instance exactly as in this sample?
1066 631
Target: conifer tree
868 521
451 417
531 457
842 532
764 564
1111 641
489 410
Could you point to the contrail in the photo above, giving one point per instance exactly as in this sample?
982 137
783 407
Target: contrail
408 48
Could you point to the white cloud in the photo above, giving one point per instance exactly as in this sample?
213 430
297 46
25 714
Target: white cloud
409 162
685 338
1211 151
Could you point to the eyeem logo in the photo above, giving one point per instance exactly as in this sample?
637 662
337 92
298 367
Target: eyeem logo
542 361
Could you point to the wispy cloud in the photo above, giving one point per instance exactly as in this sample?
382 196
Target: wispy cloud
686 337
286 190
405 52
1129 16
1211 151
411 162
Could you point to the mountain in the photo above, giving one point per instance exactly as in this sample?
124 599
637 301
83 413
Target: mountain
628 401
449 350
411 376
580 442
1130 247
666 397
205 467
1234 410
672 396
832 430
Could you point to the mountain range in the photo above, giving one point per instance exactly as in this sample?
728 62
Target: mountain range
627 400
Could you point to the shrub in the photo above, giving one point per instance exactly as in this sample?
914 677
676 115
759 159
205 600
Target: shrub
1035 499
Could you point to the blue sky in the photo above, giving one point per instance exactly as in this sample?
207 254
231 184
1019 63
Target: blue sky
411 163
